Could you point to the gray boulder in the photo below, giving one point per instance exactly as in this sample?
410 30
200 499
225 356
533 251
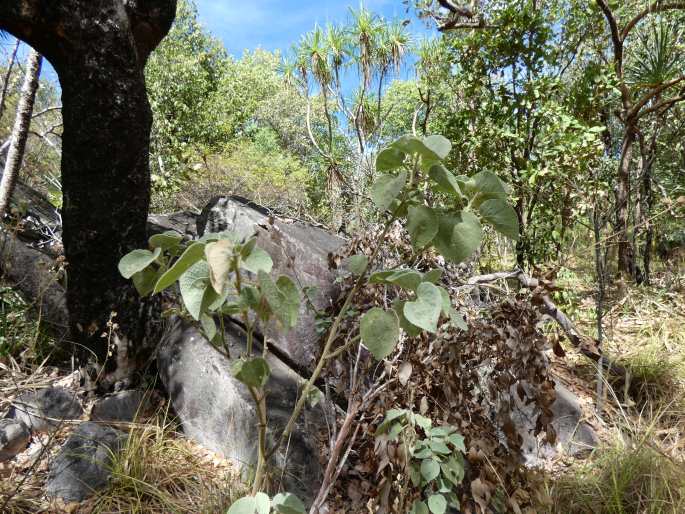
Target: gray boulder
31 273
574 435
124 406
14 437
44 409
83 465
298 250
217 411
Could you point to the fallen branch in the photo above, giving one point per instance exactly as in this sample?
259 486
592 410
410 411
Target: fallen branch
588 346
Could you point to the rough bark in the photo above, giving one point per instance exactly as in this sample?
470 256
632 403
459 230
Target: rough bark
99 49
625 248
20 131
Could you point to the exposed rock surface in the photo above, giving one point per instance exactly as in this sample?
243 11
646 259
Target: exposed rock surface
14 437
298 250
30 272
124 406
46 408
574 435
218 412
83 464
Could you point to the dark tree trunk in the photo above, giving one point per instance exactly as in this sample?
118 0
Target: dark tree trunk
649 228
522 248
99 49
106 184
625 248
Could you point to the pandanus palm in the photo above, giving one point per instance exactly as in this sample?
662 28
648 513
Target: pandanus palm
658 56
393 43
338 50
364 31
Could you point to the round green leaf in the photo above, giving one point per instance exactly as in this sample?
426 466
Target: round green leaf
190 256
446 181
136 261
437 504
422 225
286 503
253 373
387 188
283 298
246 505
439 145
258 260
419 507
262 503
389 159
193 285
458 236
458 441
410 329
405 278
485 185
424 312
412 145
430 469
166 240
501 216
208 326
144 281
356 264
380 331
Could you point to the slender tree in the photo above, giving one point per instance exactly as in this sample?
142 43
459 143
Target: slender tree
8 76
20 131
99 49
638 100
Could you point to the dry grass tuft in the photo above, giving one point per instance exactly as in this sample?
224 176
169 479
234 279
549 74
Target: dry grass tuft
161 472
641 467
622 479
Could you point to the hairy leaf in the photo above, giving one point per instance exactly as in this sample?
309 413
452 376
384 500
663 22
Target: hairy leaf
424 312
389 159
422 225
501 216
458 236
190 256
253 372
387 188
380 331
136 261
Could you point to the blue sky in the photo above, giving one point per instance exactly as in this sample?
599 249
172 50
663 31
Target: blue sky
276 24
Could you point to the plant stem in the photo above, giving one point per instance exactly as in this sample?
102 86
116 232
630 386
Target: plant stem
259 397
332 336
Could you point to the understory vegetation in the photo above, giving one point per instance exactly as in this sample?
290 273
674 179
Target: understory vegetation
507 180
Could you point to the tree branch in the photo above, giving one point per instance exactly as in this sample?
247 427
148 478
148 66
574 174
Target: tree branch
654 7
586 345
635 111
45 111
460 10
665 104
616 39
